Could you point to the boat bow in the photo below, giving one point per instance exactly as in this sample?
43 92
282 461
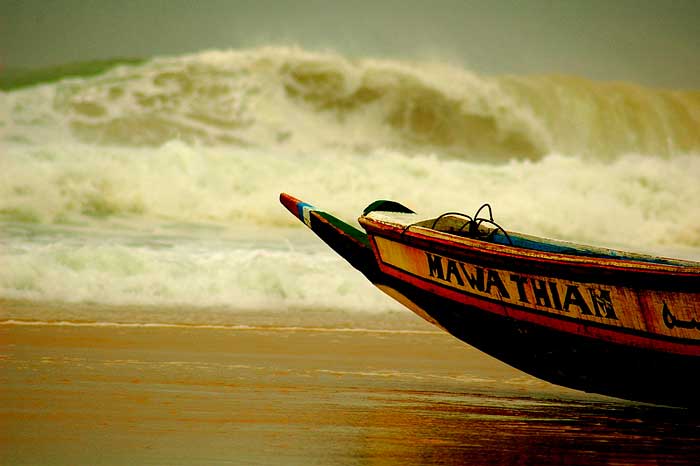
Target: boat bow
597 320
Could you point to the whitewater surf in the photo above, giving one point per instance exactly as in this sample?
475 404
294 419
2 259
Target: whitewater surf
155 183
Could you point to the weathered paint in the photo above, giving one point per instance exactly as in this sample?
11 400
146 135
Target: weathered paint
643 311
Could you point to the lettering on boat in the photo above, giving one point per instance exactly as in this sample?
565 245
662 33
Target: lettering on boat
671 313
672 321
529 291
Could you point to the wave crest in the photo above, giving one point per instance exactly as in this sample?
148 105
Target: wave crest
309 101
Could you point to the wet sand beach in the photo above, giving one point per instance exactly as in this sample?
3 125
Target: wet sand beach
90 394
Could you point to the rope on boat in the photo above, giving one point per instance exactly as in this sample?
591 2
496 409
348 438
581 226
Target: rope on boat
472 225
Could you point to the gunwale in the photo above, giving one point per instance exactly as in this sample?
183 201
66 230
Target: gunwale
622 271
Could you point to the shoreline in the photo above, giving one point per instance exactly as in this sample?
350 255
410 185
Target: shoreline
28 312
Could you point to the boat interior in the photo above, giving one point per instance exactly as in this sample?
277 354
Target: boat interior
485 229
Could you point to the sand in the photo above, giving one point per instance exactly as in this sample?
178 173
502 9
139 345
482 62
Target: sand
186 395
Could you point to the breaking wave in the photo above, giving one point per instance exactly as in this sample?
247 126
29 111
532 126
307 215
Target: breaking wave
119 188
308 101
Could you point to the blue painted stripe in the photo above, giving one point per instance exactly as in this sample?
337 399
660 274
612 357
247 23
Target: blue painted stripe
301 207
577 250
303 212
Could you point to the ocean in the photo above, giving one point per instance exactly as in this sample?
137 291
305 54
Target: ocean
159 306
155 185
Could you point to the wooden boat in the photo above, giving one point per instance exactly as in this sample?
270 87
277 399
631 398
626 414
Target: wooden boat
598 320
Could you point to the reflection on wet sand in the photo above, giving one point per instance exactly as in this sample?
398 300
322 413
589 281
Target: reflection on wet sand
87 395
484 429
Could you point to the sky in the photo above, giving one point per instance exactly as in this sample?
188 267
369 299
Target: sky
654 43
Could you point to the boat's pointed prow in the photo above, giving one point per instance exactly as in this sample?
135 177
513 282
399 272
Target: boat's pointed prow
298 208
351 243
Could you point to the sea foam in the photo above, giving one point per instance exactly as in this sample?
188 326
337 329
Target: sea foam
133 187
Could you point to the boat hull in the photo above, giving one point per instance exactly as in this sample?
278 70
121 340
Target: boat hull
562 358
593 342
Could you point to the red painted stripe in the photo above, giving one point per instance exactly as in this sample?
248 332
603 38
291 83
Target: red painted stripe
291 203
582 329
